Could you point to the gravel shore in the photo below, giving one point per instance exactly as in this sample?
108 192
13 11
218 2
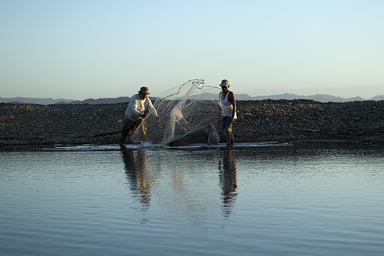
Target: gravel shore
33 125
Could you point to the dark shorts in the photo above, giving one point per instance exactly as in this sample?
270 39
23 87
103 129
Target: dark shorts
130 125
227 122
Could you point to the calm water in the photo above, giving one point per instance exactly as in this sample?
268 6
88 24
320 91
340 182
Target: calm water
245 201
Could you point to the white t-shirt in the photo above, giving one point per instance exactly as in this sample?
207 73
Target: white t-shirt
136 107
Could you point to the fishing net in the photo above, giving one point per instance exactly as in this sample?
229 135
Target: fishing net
184 109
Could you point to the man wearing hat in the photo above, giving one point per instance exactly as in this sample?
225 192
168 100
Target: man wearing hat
228 110
138 107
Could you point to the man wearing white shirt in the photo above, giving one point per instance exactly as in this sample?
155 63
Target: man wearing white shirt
138 107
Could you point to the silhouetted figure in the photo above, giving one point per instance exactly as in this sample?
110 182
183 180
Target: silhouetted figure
228 180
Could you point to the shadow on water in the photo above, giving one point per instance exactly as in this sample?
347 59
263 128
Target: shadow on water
228 180
136 171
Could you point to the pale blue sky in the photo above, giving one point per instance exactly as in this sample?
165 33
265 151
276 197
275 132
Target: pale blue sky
91 49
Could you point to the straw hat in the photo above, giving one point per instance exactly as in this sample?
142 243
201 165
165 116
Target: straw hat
144 90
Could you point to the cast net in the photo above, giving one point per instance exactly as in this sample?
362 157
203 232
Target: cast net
183 109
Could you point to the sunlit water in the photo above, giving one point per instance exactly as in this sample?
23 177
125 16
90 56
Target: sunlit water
245 201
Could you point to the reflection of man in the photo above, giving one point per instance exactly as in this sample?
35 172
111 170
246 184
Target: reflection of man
228 180
136 172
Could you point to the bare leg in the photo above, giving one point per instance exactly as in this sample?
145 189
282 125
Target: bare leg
142 132
126 131
229 136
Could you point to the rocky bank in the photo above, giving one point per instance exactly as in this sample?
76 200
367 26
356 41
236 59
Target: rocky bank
258 121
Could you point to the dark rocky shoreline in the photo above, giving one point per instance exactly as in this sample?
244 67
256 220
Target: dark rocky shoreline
30 125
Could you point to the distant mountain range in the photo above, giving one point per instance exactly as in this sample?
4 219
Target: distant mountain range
205 96
289 96
42 101
49 101
101 101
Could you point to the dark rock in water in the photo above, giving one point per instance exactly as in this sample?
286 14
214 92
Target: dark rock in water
198 136
213 135
207 135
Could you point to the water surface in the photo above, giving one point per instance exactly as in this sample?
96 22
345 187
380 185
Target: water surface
245 201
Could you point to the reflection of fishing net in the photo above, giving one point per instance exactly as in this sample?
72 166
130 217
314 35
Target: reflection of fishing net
184 109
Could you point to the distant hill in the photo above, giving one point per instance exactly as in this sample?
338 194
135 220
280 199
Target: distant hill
315 97
50 101
41 101
205 96
378 97
286 96
102 101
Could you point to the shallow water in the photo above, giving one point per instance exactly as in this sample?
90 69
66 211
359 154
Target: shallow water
245 201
